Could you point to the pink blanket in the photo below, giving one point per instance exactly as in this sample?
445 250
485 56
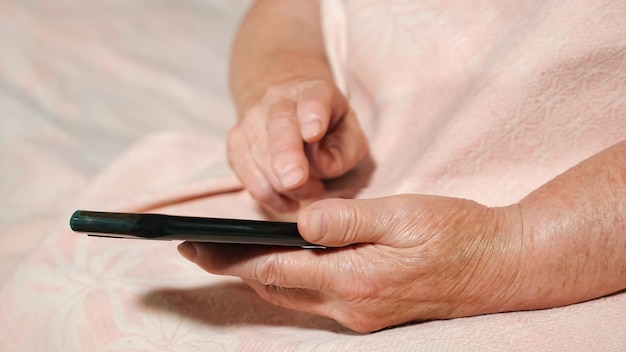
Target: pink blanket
483 100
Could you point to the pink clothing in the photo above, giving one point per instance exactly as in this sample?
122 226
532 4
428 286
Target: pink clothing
485 100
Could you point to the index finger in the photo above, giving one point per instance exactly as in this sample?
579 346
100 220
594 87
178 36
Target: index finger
284 267
314 110
286 149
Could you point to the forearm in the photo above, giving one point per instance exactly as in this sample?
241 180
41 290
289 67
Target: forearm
277 40
575 233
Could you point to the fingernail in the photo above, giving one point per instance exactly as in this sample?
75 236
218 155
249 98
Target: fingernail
292 177
311 129
317 225
188 250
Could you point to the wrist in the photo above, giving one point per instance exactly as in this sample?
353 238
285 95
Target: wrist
501 271
249 84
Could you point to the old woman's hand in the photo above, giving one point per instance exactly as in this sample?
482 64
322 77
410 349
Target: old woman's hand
392 260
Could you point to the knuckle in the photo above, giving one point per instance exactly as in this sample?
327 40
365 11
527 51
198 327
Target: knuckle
360 293
277 92
281 118
263 193
233 140
361 289
358 321
285 152
268 293
234 133
350 225
239 141
315 83
266 272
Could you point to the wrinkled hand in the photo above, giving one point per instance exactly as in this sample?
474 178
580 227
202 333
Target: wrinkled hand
401 258
298 135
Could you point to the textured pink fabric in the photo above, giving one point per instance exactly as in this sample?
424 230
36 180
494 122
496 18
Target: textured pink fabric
484 100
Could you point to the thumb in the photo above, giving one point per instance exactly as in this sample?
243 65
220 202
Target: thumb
342 222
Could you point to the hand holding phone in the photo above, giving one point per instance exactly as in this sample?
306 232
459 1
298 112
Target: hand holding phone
187 228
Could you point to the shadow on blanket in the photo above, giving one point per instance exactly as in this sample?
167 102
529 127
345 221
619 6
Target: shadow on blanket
232 303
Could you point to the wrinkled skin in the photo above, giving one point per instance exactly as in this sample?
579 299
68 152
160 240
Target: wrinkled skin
299 134
402 258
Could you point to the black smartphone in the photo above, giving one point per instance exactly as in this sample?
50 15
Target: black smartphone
187 228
